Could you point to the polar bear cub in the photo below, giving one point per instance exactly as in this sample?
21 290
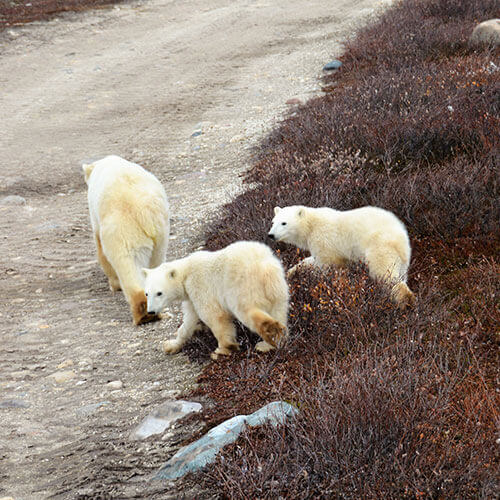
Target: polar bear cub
243 281
129 214
368 234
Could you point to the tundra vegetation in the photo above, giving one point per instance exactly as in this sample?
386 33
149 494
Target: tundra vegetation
392 404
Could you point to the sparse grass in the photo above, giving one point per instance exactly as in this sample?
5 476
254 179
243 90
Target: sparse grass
392 404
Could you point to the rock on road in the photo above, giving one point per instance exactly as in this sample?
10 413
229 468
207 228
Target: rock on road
184 88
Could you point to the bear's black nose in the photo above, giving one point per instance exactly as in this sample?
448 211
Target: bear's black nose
271 235
151 312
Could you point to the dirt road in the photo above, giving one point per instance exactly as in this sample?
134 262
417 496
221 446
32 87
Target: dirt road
183 88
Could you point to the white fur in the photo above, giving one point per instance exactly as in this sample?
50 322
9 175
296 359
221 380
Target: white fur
368 234
243 281
129 214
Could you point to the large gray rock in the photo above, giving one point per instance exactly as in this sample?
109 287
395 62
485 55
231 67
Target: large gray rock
487 33
196 455
163 417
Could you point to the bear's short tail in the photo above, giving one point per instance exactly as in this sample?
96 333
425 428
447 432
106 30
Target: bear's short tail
87 170
270 330
402 295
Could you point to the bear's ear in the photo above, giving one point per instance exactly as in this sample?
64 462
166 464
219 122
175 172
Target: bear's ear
87 170
276 210
300 213
172 273
144 272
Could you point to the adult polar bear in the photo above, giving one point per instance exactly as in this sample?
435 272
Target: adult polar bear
130 220
243 281
368 234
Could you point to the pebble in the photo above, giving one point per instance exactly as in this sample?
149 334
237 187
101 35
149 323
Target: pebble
89 409
203 125
163 417
85 365
332 65
196 133
65 364
13 200
64 376
237 138
293 101
13 403
115 384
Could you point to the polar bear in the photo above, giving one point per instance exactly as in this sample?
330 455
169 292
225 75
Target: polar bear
243 281
368 234
129 214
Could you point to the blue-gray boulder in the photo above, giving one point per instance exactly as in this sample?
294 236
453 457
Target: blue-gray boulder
195 456
332 65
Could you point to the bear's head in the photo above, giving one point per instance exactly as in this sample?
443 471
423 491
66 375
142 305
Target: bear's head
287 224
162 286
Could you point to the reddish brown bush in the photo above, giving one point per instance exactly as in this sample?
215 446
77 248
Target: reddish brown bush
392 404
434 31
397 119
396 422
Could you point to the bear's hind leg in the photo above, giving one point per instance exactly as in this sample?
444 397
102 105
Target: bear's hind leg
269 329
224 331
114 282
279 311
159 253
307 262
190 322
385 264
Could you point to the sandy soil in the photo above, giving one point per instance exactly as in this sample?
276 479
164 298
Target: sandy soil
135 80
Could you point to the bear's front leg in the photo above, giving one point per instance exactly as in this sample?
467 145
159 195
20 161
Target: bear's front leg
309 261
190 323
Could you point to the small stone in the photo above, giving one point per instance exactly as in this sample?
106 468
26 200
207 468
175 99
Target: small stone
6 498
203 125
293 102
89 409
196 133
115 384
13 403
163 417
85 365
62 377
39 290
332 65
237 138
65 364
